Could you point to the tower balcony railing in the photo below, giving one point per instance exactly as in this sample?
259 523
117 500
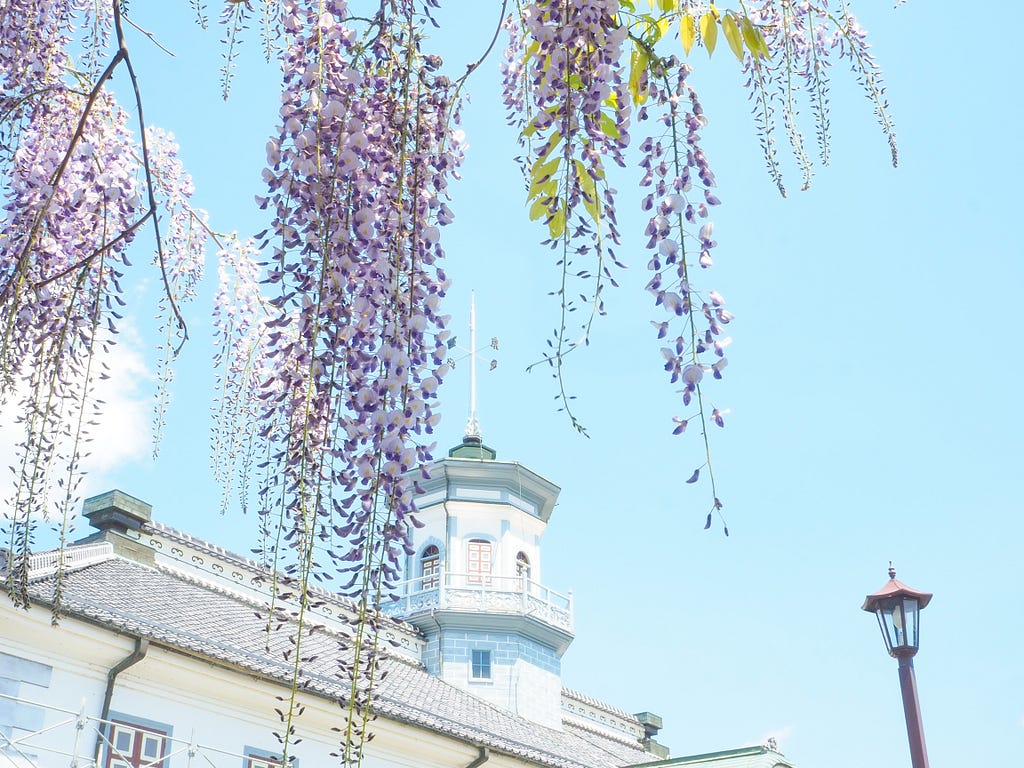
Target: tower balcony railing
484 593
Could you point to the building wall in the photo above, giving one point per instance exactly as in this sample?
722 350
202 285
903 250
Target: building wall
222 710
525 675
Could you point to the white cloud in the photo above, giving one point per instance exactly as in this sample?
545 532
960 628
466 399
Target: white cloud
123 432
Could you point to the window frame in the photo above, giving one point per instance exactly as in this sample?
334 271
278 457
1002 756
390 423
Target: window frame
430 567
140 733
475 573
524 568
255 757
481 667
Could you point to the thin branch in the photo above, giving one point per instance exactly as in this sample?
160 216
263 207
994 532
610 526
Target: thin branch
102 249
150 35
122 53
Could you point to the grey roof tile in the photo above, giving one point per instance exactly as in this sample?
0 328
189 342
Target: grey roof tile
194 617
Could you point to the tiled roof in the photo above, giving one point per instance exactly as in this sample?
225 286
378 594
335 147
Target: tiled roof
189 615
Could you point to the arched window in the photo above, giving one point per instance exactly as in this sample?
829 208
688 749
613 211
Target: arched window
430 567
478 553
523 566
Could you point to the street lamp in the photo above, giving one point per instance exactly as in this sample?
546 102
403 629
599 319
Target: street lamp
897 607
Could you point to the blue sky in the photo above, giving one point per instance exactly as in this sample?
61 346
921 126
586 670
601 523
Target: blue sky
873 388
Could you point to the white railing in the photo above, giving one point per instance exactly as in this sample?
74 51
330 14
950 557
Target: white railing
47 563
477 592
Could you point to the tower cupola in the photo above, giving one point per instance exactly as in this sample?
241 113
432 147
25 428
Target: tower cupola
474 582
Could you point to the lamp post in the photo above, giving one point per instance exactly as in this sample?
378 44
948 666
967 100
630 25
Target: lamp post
897 607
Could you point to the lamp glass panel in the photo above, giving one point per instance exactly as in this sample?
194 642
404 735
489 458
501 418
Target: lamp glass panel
910 614
886 621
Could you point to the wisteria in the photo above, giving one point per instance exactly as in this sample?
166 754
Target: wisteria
241 366
805 36
331 336
564 89
78 185
678 184
181 257
358 178
70 214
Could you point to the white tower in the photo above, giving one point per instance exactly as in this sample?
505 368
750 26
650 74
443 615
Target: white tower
474 579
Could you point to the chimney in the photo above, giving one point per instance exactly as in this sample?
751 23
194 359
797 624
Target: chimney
117 511
652 723
114 514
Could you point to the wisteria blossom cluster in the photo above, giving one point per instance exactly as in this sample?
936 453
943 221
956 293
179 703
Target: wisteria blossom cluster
75 193
358 177
679 191
69 215
240 315
181 257
805 37
563 86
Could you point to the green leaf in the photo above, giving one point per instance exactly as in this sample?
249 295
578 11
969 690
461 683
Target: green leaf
752 37
541 183
667 5
687 32
709 31
663 24
755 41
609 127
637 66
538 209
732 35
532 127
556 224
540 175
553 141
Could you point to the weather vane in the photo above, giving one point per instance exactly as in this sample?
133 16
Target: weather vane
473 424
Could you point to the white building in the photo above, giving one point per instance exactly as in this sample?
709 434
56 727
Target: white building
162 658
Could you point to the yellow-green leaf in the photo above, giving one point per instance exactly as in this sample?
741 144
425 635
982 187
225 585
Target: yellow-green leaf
732 35
556 224
709 31
586 180
754 39
668 5
750 37
540 174
537 210
608 126
687 32
637 66
553 141
663 24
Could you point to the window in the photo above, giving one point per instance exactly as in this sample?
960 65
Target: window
480 669
258 758
479 561
523 566
430 564
135 746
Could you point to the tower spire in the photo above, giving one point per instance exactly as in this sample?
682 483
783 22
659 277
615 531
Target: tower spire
472 424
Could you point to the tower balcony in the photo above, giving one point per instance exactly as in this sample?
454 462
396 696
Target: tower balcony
484 595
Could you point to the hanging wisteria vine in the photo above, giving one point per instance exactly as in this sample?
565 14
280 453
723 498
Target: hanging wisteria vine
330 330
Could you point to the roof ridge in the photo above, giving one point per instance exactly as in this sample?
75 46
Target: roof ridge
598 704
258 569
581 725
